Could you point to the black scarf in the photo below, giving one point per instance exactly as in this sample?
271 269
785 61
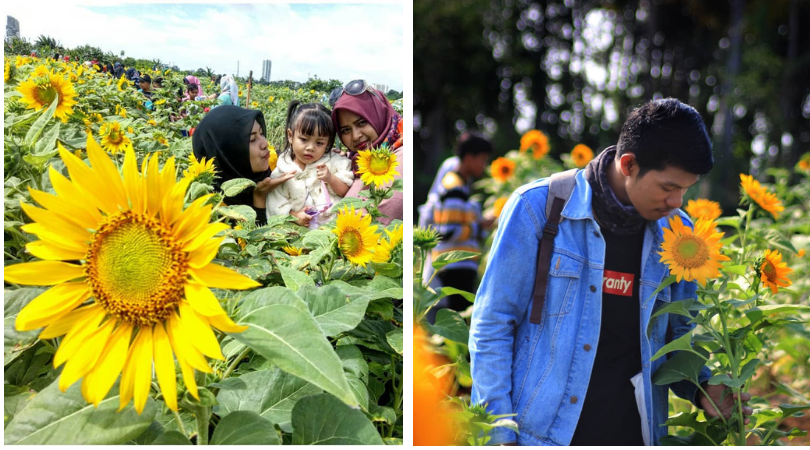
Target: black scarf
224 134
611 213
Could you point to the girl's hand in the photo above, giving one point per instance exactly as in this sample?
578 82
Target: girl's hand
302 216
323 173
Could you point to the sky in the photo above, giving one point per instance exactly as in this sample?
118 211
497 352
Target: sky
333 41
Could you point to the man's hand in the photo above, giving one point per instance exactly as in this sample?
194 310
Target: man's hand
265 186
728 404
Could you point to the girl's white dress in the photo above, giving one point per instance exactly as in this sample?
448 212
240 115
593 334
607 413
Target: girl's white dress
305 189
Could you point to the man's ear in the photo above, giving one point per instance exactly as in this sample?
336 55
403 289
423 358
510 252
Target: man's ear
628 164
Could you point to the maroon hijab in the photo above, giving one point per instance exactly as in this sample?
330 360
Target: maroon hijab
377 111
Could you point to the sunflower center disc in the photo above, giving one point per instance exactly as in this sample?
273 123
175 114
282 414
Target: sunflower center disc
691 252
351 242
379 165
46 94
769 271
136 269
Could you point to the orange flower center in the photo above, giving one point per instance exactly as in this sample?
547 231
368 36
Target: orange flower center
690 252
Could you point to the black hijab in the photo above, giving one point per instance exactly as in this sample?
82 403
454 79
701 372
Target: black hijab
224 134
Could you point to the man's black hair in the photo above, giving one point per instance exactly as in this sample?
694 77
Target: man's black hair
665 133
472 143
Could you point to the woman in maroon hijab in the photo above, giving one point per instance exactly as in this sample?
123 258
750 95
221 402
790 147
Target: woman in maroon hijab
364 118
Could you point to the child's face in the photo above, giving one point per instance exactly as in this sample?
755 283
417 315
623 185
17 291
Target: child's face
193 94
307 148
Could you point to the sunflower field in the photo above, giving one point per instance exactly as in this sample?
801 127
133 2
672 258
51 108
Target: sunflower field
751 313
139 309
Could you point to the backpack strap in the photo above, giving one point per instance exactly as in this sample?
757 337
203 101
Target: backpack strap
559 191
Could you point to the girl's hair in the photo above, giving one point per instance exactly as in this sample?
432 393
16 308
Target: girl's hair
309 118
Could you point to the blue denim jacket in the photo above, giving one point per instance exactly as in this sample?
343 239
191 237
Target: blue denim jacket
536 370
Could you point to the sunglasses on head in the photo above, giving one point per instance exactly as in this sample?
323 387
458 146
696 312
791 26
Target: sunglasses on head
355 87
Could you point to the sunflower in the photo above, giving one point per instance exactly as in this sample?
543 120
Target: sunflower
6 72
113 139
356 236
773 271
121 111
270 99
581 155
703 208
758 193
426 238
497 207
121 82
804 163
273 161
291 250
535 140
40 90
197 169
386 247
502 169
377 166
692 254
131 271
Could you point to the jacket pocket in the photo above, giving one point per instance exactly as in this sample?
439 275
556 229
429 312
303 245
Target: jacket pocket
563 282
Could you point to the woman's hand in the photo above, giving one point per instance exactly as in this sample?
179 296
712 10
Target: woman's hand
265 186
302 216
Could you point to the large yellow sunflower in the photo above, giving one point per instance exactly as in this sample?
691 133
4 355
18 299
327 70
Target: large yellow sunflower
581 155
703 208
502 169
121 83
382 254
43 87
356 236
377 166
692 254
113 139
535 140
131 271
773 271
758 193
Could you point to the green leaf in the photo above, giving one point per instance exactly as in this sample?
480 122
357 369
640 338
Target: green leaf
295 279
282 330
389 269
15 342
681 307
235 186
450 325
453 256
324 420
47 145
318 238
359 389
270 393
394 338
667 281
737 269
171 438
39 125
383 414
682 343
447 291
245 428
792 410
53 417
774 238
349 202
353 361
682 366
238 212
335 310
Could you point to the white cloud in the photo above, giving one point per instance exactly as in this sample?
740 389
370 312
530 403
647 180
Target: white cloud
329 40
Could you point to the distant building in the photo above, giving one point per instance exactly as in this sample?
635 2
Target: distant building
266 65
12 28
380 87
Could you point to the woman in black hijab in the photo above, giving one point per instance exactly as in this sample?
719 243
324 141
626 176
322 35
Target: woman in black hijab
235 138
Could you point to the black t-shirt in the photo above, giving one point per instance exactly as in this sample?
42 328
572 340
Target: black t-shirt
610 414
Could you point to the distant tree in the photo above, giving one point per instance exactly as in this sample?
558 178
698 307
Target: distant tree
393 95
320 85
47 41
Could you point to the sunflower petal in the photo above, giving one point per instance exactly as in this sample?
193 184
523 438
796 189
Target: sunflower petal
183 349
106 173
202 300
42 273
44 250
63 324
133 183
86 181
51 304
164 366
224 323
109 366
75 337
143 368
188 379
216 276
204 338
203 236
83 361
68 210
203 255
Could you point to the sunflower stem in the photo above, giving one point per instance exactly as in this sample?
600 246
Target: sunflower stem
202 416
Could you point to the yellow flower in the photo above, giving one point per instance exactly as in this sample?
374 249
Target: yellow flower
376 166
291 250
801 253
581 155
6 72
773 271
385 247
271 99
121 111
312 91
121 82
40 90
497 207
431 424
254 104
273 161
692 254
198 168
131 271
113 139
151 122
535 140
161 101
703 208
804 163
240 93
356 236
502 169
766 200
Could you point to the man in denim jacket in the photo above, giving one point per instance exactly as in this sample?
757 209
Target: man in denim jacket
567 379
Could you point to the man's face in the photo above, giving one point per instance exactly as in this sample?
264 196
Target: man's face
144 85
476 164
657 192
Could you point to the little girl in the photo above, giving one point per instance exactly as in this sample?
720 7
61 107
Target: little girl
322 177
